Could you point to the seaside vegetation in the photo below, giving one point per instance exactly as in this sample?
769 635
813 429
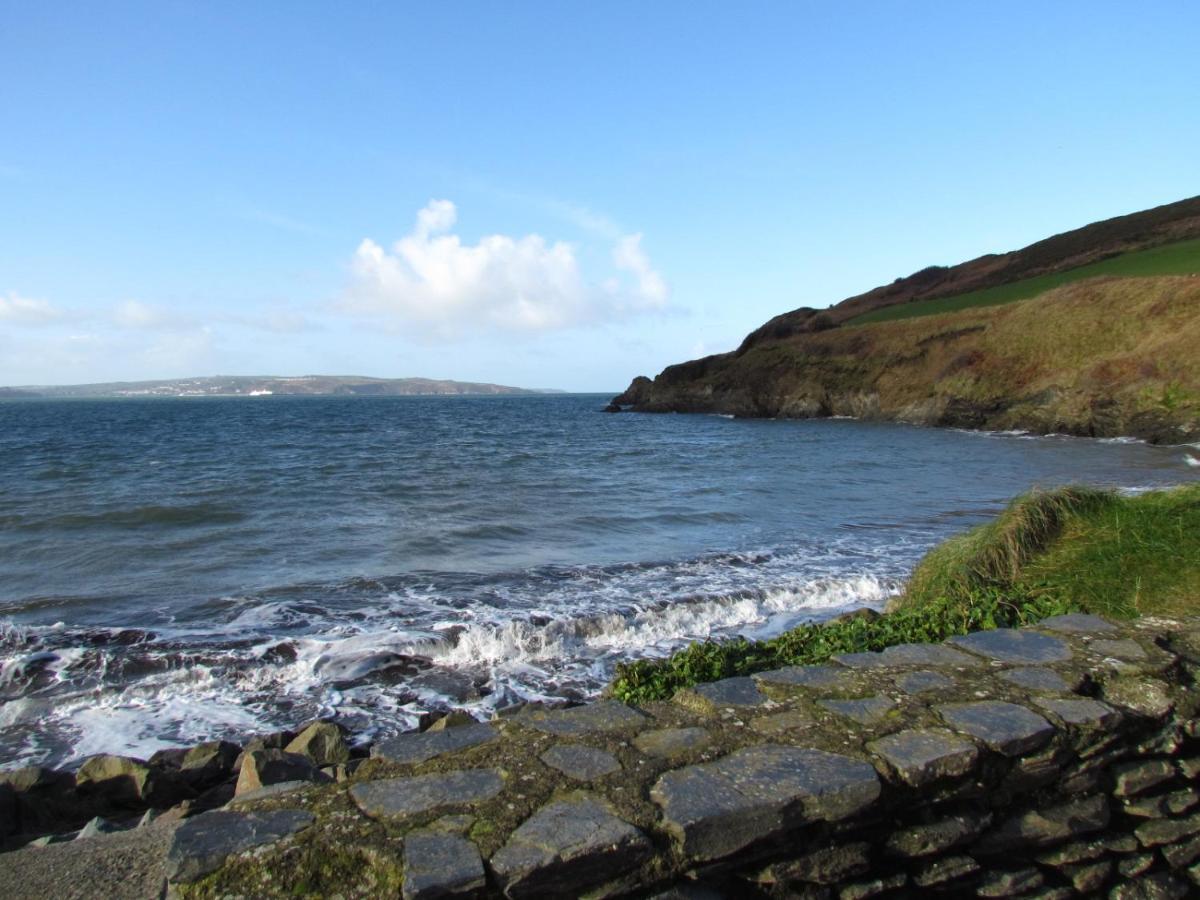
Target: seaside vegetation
1073 549
1182 258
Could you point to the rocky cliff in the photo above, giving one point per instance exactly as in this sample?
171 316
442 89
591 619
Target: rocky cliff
1101 356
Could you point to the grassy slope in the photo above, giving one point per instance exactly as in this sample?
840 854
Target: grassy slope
1182 258
1071 549
1104 357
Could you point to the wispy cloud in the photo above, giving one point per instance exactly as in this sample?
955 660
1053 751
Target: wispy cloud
18 310
431 281
280 221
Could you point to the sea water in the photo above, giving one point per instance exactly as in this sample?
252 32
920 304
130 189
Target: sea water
177 570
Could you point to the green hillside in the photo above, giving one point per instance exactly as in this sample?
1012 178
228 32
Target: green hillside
1182 258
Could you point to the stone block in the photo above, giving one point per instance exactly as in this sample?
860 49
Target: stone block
817 678
1087 878
667 743
1182 854
937 837
262 768
1018 646
1078 623
873 887
718 808
1176 803
568 848
1006 728
202 844
1124 649
601 717
1159 886
1045 827
1037 680
1133 778
780 723
398 797
414 748
437 865
728 693
580 763
942 871
864 711
1009 883
922 756
1080 712
1143 696
828 865
909 656
924 682
1156 832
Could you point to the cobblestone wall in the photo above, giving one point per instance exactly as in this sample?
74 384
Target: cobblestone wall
1054 761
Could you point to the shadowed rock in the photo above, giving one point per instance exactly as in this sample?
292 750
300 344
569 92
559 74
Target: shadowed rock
1040 828
568 848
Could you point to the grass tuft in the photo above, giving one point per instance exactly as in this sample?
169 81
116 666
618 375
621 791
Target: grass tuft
1072 549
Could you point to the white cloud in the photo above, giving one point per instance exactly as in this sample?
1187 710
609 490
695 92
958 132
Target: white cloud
431 280
135 314
19 310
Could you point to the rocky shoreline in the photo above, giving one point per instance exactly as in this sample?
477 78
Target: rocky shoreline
1053 761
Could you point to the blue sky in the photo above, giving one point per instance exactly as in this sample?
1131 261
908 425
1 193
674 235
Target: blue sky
541 194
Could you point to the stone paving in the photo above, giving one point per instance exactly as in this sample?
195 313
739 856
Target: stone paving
1052 761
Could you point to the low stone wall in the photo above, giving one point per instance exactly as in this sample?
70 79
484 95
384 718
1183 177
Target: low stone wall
1054 761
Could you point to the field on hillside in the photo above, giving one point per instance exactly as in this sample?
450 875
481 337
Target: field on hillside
1182 258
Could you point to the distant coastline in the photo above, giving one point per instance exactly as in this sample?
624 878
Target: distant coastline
270 385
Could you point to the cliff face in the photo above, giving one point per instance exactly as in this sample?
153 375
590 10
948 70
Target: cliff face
1104 357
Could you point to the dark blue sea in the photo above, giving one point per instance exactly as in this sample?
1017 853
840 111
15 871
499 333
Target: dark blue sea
174 570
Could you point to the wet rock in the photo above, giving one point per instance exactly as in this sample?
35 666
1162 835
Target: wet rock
822 678
201 844
580 763
437 864
397 797
321 742
1131 779
261 768
728 693
416 748
458 687
568 848
665 743
602 717
865 711
1037 679
718 808
924 682
903 656
1007 728
1044 827
1078 623
937 837
1010 645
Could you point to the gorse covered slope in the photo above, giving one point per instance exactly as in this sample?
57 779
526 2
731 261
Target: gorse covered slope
1069 349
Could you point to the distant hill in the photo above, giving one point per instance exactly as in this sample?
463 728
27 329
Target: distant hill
1091 332
267 385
